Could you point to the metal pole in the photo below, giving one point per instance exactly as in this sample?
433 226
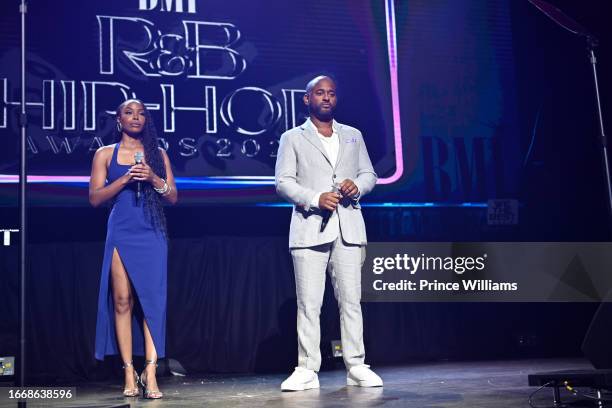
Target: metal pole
23 123
604 141
572 26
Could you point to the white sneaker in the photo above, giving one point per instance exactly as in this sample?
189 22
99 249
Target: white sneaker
362 376
301 379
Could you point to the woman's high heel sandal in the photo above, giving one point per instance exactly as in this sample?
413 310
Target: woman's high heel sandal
131 392
146 392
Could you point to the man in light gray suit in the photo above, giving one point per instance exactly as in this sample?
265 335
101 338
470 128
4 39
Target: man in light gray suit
323 168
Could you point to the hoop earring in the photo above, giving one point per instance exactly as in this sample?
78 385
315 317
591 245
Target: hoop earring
119 128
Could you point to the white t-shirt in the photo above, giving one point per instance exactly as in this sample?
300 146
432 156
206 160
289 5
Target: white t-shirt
331 145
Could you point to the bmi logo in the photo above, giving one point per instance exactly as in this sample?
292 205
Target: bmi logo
502 212
168 5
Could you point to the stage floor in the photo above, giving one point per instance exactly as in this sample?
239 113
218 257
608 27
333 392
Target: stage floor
485 384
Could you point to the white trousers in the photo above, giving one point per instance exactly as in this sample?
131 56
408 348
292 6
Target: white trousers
344 262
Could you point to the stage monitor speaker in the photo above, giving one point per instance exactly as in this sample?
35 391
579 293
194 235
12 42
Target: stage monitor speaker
597 343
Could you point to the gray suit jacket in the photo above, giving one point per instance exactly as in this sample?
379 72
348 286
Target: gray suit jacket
303 169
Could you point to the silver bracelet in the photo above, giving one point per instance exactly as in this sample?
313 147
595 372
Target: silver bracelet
163 190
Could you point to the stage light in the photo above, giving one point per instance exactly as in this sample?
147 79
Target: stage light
7 366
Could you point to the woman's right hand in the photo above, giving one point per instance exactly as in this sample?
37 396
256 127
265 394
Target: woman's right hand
128 177
99 191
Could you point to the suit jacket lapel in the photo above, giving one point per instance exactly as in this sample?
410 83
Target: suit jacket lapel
311 135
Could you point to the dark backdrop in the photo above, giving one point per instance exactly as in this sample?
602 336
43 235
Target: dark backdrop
231 298
231 289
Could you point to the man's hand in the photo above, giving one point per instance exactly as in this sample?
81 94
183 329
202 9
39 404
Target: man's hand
348 188
329 201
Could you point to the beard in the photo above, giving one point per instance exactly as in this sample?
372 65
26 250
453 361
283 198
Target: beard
321 114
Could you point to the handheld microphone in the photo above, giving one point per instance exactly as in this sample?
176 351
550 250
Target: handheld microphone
326 216
327 213
138 157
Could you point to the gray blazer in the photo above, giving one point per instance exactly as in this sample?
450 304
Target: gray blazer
303 169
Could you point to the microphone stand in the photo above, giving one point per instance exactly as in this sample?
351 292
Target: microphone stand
591 44
572 26
23 183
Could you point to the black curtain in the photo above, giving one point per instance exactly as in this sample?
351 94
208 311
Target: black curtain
231 308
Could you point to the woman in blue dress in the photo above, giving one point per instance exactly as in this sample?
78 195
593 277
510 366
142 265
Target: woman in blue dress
134 268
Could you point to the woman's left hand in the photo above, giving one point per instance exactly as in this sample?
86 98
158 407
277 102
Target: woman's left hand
142 172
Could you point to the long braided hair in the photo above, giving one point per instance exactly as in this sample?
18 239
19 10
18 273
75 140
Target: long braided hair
148 135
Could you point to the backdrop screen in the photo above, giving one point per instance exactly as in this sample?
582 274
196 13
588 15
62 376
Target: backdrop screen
429 84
